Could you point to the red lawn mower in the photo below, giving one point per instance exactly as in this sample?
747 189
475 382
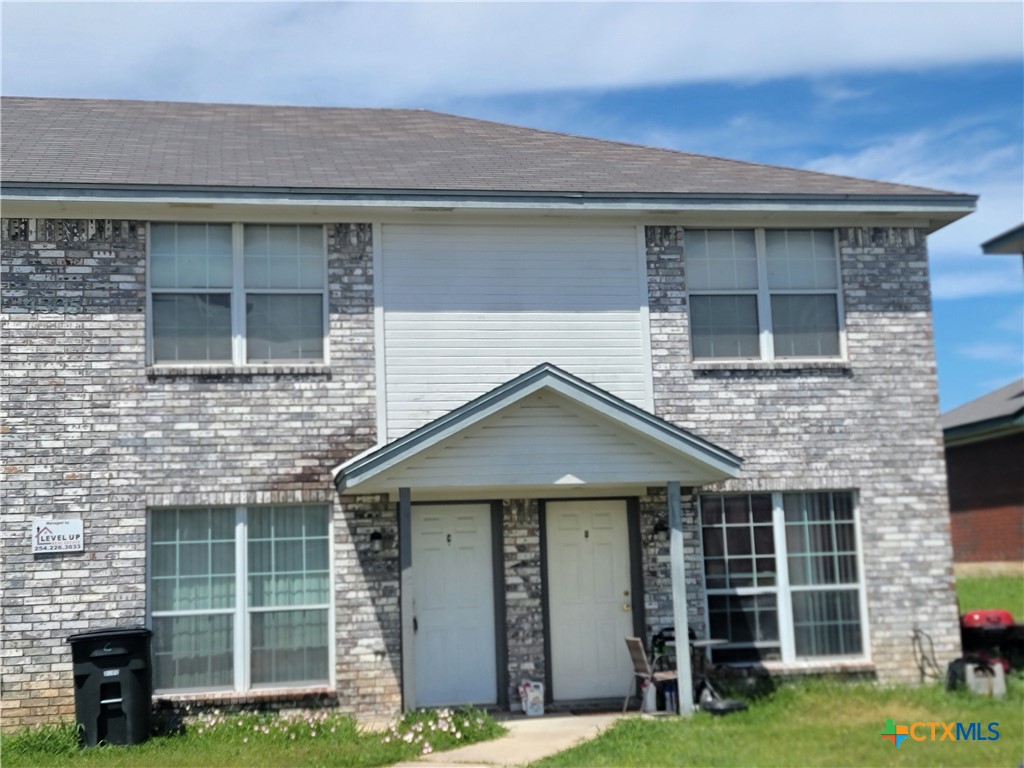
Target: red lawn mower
993 636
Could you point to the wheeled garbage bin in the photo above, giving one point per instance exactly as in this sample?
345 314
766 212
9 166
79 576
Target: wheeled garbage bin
113 685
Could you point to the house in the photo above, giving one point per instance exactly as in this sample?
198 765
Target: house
393 408
1011 241
985 464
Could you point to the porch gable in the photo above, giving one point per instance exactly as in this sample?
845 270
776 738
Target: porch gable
545 431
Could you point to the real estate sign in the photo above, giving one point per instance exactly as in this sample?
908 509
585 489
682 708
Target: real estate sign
57 536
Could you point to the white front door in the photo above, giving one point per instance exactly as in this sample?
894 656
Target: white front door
590 598
453 605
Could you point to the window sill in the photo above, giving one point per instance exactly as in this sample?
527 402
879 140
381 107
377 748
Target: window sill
772 365
833 666
237 371
257 696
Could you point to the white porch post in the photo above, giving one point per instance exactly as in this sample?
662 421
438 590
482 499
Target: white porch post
406 606
675 524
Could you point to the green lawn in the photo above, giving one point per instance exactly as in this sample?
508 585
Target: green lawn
981 592
830 723
814 724
311 740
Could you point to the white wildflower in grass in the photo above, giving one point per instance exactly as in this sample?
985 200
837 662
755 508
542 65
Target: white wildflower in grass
245 740
458 735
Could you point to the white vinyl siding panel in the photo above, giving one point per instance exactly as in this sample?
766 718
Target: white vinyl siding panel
544 440
466 308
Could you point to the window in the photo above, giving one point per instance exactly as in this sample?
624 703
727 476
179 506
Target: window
240 598
782 575
239 294
763 294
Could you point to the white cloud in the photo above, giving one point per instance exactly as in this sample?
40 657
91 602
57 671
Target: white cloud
975 282
394 53
965 155
991 351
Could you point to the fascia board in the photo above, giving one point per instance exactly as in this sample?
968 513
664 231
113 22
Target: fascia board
980 431
632 202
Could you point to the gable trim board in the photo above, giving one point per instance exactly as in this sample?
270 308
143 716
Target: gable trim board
388 468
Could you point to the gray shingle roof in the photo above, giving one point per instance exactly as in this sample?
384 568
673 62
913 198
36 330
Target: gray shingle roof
114 143
1004 403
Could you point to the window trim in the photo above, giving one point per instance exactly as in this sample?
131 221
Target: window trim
238 291
763 294
783 590
241 650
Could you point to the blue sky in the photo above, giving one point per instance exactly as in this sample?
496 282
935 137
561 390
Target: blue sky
922 93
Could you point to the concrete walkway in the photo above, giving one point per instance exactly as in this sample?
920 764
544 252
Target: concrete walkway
528 739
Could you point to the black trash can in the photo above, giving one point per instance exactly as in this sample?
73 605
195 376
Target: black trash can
113 685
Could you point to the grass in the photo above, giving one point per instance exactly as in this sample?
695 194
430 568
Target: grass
815 723
822 723
981 592
808 724
312 739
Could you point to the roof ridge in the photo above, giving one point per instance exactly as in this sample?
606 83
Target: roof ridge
190 103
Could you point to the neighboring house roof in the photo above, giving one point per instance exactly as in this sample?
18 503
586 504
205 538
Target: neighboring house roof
1011 241
631 431
74 142
991 415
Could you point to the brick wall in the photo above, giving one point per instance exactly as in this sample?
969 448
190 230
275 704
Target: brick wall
90 432
870 425
524 611
986 499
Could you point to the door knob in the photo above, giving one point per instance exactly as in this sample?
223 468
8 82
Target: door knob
626 606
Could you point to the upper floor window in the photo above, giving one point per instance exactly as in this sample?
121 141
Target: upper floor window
763 294
241 294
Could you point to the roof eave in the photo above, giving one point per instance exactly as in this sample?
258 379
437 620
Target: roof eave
1011 241
16 190
988 429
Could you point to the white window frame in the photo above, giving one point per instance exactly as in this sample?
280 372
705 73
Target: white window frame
764 294
242 611
238 292
783 590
